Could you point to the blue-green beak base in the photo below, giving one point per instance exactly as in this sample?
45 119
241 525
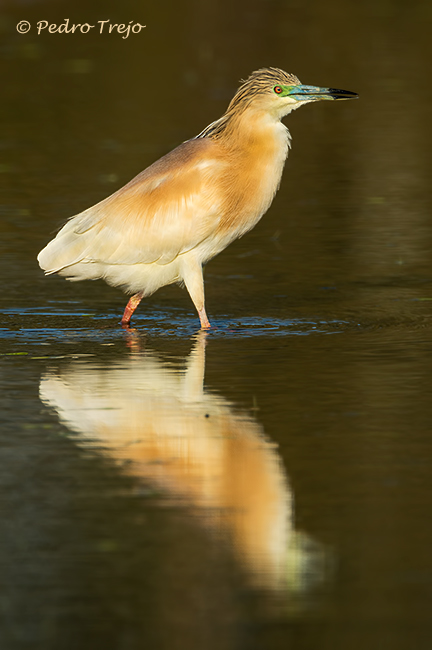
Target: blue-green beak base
314 93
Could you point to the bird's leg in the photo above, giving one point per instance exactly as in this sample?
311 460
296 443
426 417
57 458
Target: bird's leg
193 279
205 323
130 308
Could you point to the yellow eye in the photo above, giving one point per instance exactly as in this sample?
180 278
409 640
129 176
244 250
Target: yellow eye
277 90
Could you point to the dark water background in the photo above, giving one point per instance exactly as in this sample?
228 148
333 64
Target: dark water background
288 503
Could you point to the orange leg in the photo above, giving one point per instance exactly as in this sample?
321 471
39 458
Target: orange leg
130 308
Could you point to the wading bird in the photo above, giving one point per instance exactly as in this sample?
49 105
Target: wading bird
167 222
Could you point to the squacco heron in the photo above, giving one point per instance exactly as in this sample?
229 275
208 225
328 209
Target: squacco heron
166 223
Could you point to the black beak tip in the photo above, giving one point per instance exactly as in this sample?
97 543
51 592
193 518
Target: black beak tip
342 94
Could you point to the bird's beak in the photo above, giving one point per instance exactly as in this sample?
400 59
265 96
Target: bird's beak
314 93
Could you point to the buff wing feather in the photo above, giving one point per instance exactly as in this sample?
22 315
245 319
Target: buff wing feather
165 211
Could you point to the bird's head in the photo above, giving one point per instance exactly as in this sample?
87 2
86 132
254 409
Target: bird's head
279 93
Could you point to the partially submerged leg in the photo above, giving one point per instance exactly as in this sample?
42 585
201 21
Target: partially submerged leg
193 279
205 323
130 308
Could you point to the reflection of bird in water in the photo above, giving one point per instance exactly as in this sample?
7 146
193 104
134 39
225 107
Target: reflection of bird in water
188 442
189 205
